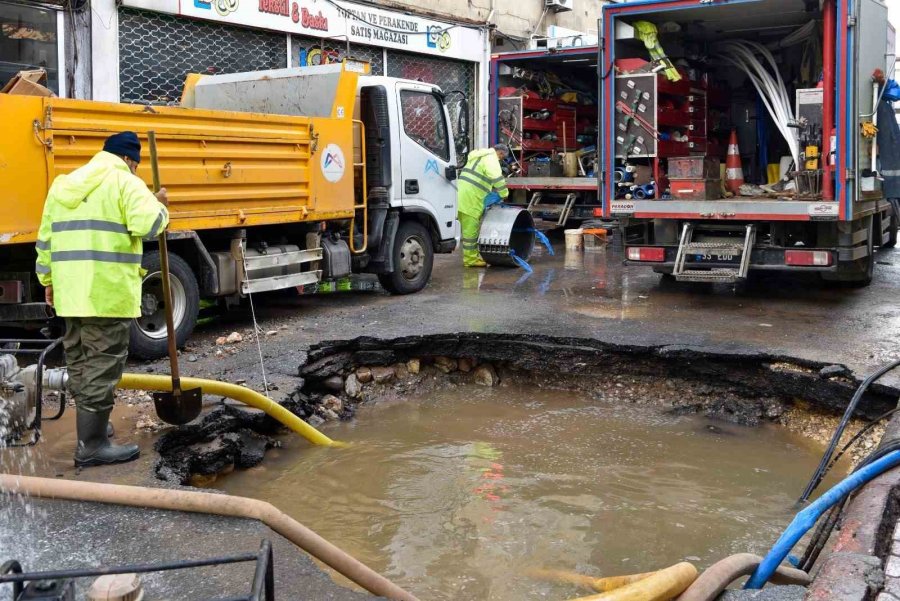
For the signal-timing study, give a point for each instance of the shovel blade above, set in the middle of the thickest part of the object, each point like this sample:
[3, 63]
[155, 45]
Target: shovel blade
[178, 408]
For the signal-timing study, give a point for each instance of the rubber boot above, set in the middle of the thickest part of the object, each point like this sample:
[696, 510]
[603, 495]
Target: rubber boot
[94, 447]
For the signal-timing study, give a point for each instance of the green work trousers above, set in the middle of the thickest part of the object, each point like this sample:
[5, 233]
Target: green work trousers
[96, 349]
[470, 229]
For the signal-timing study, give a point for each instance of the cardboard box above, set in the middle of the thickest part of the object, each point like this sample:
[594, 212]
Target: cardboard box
[28, 83]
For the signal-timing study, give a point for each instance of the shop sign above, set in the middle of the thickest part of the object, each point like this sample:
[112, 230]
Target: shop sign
[337, 20]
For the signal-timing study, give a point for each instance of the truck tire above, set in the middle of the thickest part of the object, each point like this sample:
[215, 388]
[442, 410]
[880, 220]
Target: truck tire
[413, 259]
[148, 332]
[859, 273]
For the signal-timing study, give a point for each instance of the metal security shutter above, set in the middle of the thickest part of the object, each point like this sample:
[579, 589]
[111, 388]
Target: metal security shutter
[307, 50]
[450, 75]
[157, 51]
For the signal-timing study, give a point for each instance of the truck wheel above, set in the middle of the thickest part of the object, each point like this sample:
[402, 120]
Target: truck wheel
[148, 332]
[859, 273]
[413, 259]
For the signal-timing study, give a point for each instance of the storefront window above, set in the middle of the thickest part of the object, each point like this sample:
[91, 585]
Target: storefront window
[28, 40]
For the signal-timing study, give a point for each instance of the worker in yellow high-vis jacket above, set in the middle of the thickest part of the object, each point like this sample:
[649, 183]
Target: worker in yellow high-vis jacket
[481, 176]
[89, 254]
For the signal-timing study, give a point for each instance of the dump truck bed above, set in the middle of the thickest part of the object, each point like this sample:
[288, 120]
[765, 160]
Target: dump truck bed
[222, 169]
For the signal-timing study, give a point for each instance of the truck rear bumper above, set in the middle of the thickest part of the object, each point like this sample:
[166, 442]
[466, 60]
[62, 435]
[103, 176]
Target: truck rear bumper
[761, 259]
[756, 209]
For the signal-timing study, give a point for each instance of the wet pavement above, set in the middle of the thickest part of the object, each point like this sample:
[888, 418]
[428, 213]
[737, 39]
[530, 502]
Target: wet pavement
[591, 295]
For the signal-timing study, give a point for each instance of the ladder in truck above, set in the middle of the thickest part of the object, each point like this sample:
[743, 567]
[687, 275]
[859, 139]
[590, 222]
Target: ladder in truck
[714, 248]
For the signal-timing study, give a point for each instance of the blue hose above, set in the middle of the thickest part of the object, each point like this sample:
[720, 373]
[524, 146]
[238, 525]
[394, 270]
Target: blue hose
[520, 261]
[541, 237]
[807, 518]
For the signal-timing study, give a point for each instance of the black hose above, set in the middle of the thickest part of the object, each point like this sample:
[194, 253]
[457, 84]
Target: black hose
[836, 437]
[857, 436]
[820, 537]
[825, 528]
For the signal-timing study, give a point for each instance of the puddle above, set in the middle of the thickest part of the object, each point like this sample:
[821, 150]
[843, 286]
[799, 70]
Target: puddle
[458, 494]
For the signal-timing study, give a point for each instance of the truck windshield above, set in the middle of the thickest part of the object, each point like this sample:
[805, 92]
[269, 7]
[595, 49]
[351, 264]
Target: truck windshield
[423, 121]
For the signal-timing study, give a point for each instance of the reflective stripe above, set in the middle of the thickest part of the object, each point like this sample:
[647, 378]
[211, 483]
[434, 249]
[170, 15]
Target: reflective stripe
[486, 181]
[734, 173]
[42, 245]
[463, 178]
[97, 225]
[42, 269]
[470, 239]
[498, 179]
[95, 255]
[157, 225]
[733, 149]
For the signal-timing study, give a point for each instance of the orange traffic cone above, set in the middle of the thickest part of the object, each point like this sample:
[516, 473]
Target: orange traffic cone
[734, 173]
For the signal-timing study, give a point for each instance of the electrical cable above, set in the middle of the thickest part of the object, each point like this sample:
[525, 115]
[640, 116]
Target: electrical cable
[857, 436]
[836, 437]
[823, 531]
[256, 329]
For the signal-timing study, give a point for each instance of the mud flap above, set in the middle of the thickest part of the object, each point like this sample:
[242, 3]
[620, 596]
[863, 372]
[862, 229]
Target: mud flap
[383, 260]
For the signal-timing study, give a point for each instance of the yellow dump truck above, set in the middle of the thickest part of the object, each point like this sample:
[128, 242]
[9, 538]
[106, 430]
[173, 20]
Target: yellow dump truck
[292, 178]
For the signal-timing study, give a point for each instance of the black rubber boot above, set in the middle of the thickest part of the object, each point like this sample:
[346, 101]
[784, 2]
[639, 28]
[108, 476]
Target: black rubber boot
[94, 447]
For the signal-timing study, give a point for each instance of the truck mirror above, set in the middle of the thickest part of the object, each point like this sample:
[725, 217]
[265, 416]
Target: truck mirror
[450, 173]
[460, 107]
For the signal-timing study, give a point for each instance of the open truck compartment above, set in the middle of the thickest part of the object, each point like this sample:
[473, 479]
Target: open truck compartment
[740, 135]
[545, 108]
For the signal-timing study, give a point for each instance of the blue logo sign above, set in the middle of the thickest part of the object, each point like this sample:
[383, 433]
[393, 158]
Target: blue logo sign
[207, 4]
[431, 166]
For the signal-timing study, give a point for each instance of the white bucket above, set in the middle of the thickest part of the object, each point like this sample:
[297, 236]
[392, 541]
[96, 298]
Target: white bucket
[575, 240]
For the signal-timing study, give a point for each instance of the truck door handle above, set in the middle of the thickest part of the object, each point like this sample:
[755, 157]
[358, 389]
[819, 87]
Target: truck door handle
[411, 186]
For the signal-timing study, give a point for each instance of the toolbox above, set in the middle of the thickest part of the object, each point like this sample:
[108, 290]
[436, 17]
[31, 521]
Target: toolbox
[695, 189]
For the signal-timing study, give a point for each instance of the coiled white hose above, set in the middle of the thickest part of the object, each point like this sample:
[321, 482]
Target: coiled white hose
[771, 88]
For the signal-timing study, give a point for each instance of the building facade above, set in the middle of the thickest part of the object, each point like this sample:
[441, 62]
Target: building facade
[140, 50]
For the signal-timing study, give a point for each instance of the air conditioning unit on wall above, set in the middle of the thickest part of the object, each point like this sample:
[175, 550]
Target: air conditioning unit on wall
[559, 5]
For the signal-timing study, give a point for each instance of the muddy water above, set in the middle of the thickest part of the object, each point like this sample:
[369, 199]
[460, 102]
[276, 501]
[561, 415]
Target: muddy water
[459, 495]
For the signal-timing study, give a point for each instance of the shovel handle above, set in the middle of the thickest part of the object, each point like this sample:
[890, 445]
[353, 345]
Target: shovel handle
[164, 272]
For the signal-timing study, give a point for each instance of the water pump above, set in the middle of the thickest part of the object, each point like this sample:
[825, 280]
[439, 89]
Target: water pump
[18, 393]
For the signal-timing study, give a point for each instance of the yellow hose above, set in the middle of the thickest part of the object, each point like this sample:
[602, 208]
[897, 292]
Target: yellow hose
[601, 585]
[238, 393]
[661, 586]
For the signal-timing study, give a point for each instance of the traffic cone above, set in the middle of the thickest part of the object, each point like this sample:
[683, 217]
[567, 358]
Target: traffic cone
[734, 173]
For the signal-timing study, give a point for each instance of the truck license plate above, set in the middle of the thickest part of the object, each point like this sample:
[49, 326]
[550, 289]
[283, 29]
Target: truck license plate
[715, 258]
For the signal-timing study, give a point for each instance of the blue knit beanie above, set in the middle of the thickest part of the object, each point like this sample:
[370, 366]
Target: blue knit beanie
[125, 144]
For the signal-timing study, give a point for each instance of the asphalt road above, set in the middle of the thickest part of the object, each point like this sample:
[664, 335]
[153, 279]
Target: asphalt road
[591, 295]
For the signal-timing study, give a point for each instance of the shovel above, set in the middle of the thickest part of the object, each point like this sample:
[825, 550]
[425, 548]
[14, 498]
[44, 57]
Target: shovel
[179, 406]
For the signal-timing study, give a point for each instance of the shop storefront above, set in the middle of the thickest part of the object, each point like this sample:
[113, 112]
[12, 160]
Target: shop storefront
[157, 42]
[31, 38]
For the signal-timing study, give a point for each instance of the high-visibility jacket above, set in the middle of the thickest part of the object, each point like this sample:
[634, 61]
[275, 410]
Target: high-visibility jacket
[89, 244]
[481, 175]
